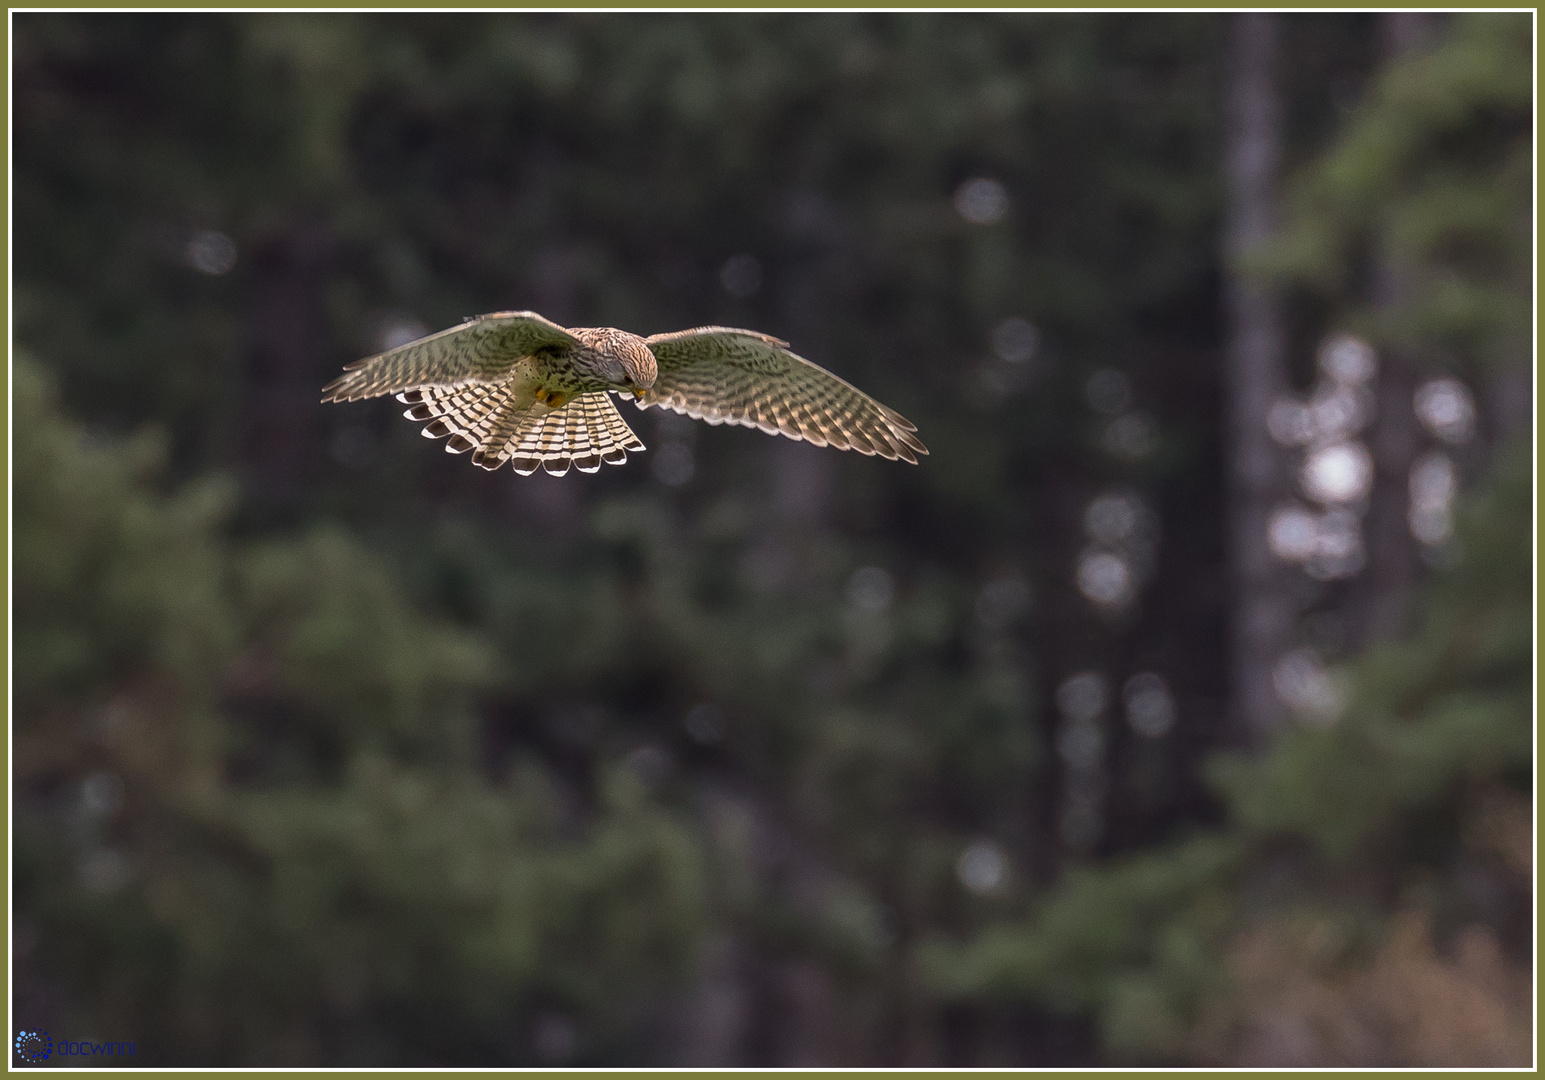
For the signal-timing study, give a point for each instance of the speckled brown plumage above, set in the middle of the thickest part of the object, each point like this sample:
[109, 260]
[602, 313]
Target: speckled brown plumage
[515, 387]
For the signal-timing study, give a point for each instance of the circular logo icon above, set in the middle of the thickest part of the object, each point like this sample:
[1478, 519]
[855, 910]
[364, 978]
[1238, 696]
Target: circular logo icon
[34, 1045]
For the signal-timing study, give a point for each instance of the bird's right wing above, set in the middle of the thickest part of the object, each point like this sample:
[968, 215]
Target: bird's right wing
[723, 375]
[481, 350]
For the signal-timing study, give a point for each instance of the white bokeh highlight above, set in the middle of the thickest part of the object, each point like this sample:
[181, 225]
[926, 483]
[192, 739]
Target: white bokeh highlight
[982, 200]
[1348, 360]
[211, 252]
[1105, 578]
[1336, 471]
[1446, 408]
[1122, 549]
[871, 589]
[983, 868]
[1305, 686]
[1082, 699]
[1015, 341]
[1433, 485]
[1150, 707]
[1338, 474]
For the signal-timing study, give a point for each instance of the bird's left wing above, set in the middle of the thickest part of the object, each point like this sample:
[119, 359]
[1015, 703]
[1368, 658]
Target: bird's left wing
[727, 376]
[480, 350]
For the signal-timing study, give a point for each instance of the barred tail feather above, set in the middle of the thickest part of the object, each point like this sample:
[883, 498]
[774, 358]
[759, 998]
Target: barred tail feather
[464, 414]
[584, 433]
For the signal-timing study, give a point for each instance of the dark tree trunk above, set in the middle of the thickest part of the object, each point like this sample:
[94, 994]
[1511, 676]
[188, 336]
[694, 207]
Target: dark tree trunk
[1378, 603]
[287, 365]
[1261, 615]
[803, 474]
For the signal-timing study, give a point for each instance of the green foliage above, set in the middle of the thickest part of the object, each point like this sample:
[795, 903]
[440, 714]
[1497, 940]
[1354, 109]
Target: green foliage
[1104, 934]
[329, 631]
[111, 580]
[1444, 706]
[1434, 175]
[360, 872]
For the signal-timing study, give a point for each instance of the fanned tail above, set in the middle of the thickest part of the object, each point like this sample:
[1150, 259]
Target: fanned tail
[584, 433]
[465, 414]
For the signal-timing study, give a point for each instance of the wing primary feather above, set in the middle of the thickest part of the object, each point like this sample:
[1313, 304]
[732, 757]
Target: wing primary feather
[722, 375]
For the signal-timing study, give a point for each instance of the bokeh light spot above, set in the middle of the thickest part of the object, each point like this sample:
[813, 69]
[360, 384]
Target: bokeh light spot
[1305, 686]
[1447, 409]
[211, 252]
[1105, 578]
[705, 723]
[1348, 360]
[741, 276]
[1002, 600]
[1150, 706]
[1015, 340]
[1083, 696]
[1130, 437]
[870, 589]
[1339, 473]
[1292, 532]
[982, 200]
[982, 867]
[1108, 391]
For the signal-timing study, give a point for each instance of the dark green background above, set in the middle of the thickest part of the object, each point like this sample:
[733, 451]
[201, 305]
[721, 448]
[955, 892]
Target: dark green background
[389, 753]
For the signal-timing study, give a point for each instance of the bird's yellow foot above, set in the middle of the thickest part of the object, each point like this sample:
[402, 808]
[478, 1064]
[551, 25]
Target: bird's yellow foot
[553, 399]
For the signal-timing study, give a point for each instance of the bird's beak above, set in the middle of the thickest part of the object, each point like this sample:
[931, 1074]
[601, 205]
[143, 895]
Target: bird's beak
[637, 393]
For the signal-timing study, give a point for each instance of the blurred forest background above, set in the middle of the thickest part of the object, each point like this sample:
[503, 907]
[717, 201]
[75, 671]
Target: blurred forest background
[1176, 710]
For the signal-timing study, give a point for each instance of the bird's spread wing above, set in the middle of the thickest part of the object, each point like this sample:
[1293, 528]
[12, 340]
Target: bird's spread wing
[584, 433]
[480, 350]
[727, 376]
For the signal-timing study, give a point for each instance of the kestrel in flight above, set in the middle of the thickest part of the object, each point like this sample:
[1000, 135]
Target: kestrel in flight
[515, 387]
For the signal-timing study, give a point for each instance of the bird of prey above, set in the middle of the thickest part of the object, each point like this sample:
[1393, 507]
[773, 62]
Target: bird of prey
[515, 387]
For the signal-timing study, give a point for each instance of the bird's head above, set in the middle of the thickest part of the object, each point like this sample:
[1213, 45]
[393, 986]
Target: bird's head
[616, 358]
[634, 368]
